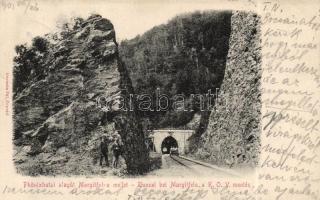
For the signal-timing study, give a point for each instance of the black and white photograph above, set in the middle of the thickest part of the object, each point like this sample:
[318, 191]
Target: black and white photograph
[180, 99]
[160, 99]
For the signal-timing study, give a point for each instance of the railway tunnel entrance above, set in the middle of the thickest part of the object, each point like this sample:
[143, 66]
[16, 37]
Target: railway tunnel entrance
[167, 144]
[165, 139]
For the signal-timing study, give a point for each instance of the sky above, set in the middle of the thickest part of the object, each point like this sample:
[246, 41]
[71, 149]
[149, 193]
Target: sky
[129, 19]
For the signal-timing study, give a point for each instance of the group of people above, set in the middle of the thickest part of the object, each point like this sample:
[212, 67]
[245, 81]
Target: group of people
[116, 148]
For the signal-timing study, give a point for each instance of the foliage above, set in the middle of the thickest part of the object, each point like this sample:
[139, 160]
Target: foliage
[28, 63]
[186, 56]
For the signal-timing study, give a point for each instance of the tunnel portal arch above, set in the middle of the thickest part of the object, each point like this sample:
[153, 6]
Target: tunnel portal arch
[181, 136]
[168, 143]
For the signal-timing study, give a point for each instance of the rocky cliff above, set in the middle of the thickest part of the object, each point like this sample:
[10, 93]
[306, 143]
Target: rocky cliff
[57, 121]
[233, 131]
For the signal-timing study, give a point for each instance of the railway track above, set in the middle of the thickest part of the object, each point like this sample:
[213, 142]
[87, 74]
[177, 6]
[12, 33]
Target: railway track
[181, 162]
[196, 167]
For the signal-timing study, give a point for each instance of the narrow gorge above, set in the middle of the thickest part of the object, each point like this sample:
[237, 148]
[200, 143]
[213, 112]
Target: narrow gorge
[75, 85]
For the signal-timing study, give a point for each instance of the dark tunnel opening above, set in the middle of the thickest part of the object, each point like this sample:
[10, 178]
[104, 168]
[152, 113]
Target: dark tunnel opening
[168, 143]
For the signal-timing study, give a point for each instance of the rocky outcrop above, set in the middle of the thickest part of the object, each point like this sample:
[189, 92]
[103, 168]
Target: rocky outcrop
[233, 131]
[58, 118]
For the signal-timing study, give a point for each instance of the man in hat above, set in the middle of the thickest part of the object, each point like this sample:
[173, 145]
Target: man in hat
[104, 150]
[116, 149]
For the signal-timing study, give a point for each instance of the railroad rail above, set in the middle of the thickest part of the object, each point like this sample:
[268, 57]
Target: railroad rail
[181, 163]
[184, 161]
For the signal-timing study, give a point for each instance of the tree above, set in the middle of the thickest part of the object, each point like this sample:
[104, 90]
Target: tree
[185, 56]
[28, 63]
[21, 69]
[40, 44]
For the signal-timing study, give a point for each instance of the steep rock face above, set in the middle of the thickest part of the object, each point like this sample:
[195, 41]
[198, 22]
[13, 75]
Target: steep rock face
[185, 56]
[58, 117]
[233, 132]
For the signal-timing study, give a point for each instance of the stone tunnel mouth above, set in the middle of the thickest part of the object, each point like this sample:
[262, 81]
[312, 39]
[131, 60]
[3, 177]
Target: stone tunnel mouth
[168, 143]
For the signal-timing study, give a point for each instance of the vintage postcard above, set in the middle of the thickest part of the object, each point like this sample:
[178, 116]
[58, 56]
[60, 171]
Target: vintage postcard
[168, 100]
